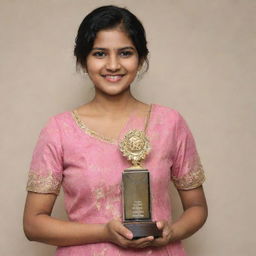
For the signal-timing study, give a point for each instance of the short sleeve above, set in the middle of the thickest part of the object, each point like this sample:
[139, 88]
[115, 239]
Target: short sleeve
[187, 171]
[45, 174]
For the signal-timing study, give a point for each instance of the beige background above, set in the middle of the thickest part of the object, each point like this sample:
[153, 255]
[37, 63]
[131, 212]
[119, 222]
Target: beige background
[202, 63]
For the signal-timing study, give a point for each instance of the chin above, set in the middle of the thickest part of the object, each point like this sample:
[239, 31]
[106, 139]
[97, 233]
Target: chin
[114, 92]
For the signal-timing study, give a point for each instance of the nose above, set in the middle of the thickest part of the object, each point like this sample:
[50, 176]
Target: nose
[113, 63]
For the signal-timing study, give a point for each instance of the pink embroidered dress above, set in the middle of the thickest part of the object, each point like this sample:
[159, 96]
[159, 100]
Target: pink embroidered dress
[89, 169]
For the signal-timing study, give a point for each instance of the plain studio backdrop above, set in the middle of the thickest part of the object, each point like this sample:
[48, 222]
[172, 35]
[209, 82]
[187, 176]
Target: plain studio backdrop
[202, 63]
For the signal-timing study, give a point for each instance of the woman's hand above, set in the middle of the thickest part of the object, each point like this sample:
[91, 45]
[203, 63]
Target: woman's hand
[118, 234]
[193, 217]
[167, 234]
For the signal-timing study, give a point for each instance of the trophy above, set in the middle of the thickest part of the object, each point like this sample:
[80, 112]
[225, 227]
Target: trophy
[136, 187]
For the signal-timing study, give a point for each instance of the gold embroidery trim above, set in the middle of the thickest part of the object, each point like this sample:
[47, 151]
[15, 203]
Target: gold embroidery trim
[43, 183]
[90, 132]
[193, 179]
[94, 134]
[147, 118]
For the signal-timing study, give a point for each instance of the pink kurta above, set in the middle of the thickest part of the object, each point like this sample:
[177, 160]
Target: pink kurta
[90, 168]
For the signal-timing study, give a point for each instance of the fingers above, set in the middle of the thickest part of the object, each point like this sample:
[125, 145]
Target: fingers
[166, 234]
[122, 236]
[138, 243]
[141, 243]
[146, 243]
[117, 233]
[158, 242]
[123, 231]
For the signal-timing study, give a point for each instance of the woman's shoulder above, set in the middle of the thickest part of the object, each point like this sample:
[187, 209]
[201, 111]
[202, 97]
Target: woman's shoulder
[63, 116]
[59, 120]
[165, 112]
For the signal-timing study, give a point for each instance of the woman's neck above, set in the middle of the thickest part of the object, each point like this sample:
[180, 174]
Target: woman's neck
[114, 105]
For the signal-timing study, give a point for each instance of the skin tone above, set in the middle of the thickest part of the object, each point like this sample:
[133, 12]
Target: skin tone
[112, 65]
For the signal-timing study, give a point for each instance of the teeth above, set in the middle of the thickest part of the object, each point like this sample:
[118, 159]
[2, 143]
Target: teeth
[113, 78]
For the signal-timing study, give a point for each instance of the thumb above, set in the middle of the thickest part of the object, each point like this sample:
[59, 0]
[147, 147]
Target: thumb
[125, 232]
[160, 224]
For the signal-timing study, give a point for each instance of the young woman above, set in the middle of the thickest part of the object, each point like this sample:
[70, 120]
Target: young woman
[79, 150]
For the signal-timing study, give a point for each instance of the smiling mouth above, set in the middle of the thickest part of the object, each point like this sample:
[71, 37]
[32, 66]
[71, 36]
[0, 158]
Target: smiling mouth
[113, 78]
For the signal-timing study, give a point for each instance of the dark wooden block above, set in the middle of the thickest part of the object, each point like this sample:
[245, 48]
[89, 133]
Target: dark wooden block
[143, 229]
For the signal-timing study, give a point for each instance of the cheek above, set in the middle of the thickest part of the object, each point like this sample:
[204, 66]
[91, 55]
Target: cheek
[93, 66]
[132, 65]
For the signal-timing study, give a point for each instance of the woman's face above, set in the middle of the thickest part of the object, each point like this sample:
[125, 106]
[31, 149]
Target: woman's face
[113, 63]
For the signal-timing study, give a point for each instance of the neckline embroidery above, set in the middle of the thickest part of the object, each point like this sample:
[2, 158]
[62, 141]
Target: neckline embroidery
[100, 137]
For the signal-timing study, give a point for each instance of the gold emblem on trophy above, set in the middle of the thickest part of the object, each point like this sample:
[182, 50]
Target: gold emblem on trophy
[136, 187]
[135, 146]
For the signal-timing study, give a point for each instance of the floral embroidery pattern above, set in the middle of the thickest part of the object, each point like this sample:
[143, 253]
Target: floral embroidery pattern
[193, 179]
[43, 183]
[107, 199]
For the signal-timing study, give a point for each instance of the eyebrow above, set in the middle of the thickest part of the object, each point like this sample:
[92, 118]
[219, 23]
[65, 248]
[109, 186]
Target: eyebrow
[120, 49]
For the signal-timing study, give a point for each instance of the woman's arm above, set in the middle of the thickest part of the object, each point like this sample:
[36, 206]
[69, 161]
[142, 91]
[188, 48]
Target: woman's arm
[194, 216]
[40, 226]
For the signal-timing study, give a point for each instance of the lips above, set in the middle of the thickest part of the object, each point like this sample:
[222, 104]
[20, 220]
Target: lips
[113, 78]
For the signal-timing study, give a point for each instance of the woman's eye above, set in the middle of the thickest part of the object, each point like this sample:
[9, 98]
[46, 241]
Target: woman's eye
[126, 53]
[99, 54]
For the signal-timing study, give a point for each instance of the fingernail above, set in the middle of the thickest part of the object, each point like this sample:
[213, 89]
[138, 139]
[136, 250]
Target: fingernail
[129, 235]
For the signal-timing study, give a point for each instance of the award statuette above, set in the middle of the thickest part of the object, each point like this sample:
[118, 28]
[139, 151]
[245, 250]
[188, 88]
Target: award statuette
[136, 187]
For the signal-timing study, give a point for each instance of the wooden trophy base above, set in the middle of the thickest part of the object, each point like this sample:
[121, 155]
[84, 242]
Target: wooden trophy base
[143, 229]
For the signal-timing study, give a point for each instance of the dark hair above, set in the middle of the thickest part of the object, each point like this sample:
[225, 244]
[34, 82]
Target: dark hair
[107, 17]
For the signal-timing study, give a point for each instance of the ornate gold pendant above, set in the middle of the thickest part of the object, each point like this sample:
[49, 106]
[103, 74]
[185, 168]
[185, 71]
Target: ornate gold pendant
[135, 146]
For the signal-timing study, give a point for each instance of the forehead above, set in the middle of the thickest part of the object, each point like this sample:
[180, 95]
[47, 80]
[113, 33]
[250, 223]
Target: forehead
[112, 39]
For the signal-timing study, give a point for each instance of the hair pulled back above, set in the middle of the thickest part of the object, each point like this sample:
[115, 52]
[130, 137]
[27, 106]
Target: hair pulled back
[108, 17]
